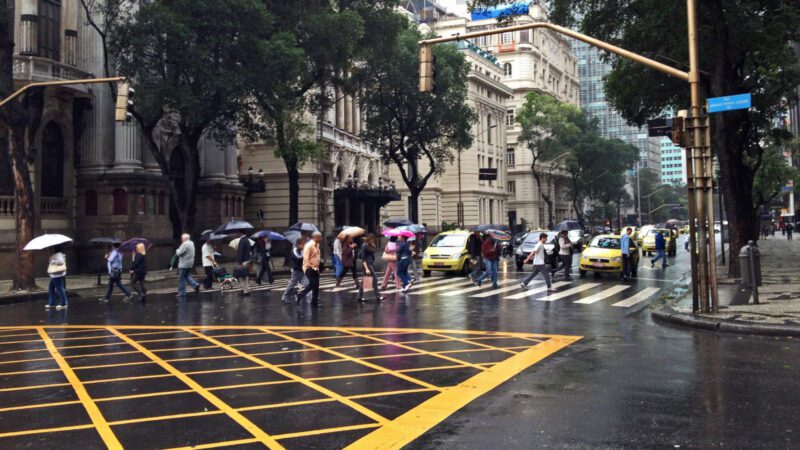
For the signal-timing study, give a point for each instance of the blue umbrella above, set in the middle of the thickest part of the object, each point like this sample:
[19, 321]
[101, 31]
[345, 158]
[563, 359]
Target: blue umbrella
[268, 234]
[234, 226]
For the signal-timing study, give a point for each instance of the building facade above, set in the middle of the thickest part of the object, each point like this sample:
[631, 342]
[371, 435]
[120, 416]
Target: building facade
[481, 201]
[531, 61]
[92, 176]
[673, 163]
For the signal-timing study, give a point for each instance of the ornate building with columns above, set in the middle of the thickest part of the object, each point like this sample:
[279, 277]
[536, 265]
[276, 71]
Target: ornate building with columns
[92, 176]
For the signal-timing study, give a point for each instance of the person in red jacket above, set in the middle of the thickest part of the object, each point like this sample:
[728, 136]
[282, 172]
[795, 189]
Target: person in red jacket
[491, 259]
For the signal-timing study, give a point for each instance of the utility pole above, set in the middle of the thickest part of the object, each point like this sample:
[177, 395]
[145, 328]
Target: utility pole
[699, 169]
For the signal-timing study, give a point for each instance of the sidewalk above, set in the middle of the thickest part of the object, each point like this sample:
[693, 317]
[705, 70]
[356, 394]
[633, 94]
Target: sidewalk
[779, 310]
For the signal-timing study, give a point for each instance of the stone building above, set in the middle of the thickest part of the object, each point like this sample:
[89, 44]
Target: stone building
[92, 176]
[531, 61]
[483, 201]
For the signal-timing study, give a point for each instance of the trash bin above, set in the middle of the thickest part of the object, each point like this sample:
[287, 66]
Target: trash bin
[750, 267]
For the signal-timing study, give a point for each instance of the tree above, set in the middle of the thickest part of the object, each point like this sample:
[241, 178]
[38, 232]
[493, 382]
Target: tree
[772, 175]
[18, 117]
[745, 46]
[188, 60]
[416, 131]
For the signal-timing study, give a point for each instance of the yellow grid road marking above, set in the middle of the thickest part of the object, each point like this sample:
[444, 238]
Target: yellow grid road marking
[48, 430]
[474, 343]
[95, 415]
[257, 432]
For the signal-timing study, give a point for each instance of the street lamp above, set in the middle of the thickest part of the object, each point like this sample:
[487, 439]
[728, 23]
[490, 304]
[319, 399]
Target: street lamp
[649, 217]
[674, 205]
[639, 168]
[460, 205]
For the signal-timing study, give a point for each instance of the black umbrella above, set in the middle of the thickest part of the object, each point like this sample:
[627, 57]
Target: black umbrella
[568, 225]
[234, 226]
[209, 235]
[302, 226]
[395, 222]
[105, 241]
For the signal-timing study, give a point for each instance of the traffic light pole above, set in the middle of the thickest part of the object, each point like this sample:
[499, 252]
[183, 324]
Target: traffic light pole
[28, 86]
[699, 161]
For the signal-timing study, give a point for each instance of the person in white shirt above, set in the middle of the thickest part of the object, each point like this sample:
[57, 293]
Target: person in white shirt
[538, 256]
[564, 255]
[209, 262]
[57, 270]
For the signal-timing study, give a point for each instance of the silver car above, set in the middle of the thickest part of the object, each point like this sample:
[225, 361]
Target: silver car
[525, 249]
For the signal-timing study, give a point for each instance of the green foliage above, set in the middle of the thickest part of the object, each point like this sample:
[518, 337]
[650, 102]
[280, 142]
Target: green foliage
[773, 175]
[548, 126]
[417, 131]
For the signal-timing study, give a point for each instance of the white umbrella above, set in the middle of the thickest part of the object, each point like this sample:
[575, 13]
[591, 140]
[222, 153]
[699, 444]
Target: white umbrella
[47, 240]
[234, 244]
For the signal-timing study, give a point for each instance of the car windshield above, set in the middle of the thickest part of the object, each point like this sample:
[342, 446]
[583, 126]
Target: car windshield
[654, 232]
[533, 237]
[605, 242]
[449, 240]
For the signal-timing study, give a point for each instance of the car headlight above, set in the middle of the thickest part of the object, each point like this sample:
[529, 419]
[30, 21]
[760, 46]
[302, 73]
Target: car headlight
[616, 259]
[584, 257]
[456, 256]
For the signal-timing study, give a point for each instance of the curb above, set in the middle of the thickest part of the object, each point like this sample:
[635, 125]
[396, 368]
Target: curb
[669, 315]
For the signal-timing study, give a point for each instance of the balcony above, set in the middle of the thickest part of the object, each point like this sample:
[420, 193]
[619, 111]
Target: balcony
[29, 69]
[52, 206]
[7, 204]
[507, 47]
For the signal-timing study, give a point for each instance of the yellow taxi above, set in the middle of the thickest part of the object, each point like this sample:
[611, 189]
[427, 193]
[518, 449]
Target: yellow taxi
[603, 255]
[642, 233]
[649, 241]
[447, 252]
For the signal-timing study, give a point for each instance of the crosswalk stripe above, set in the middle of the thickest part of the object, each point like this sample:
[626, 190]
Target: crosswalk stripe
[475, 288]
[530, 292]
[638, 298]
[420, 285]
[603, 294]
[567, 293]
[441, 288]
[502, 290]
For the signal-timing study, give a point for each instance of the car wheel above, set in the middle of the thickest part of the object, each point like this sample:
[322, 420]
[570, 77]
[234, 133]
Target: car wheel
[581, 273]
[465, 268]
[426, 273]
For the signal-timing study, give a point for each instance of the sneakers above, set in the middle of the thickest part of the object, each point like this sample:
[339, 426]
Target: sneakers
[128, 298]
[102, 300]
[523, 286]
[652, 264]
[48, 307]
[60, 307]
[197, 289]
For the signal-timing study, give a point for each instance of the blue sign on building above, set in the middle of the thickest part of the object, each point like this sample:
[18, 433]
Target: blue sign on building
[729, 103]
[503, 10]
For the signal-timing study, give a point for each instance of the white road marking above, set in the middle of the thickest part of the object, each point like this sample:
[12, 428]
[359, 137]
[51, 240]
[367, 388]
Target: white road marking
[538, 290]
[602, 295]
[638, 298]
[514, 287]
[442, 288]
[476, 288]
[569, 292]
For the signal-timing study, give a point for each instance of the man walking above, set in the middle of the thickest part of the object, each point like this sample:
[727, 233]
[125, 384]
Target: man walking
[185, 255]
[661, 250]
[114, 258]
[538, 256]
[209, 261]
[789, 231]
[336, 258]
[311, 268]
[296, 258]
[491, 259]
[625, 249]
[474, 248]
[244, 255]
[565, 255]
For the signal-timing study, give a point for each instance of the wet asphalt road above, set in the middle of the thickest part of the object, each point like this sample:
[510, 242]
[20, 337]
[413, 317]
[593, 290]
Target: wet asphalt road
[629, 383]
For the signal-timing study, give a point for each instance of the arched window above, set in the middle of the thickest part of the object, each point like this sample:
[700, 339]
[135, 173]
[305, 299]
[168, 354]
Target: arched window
[162, 203]
[52, 176]
[50, 29]
[120, 202]
[90, 203]
[507, 70]
[226, 210]
[151, 203]
[141, 203]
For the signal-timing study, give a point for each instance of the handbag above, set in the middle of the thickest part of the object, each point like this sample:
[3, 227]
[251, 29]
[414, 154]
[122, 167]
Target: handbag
[56, 269]
[366, 282]
[389, 257]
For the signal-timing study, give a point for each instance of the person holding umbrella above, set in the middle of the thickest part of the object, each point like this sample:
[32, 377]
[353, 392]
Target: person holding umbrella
[209, 261]
[348, 261]
[185, 256]
[403, 261]
[263, 254]
[564, 255]
[114, 259]
[474, 247]
[336, 258]
[390, 256]
[57, 270]
[139, 271]
[244, 255]
[367, 256]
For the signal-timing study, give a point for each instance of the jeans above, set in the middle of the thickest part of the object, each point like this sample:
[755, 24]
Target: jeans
[184, 277]
[56, 290]
[374, 276]
[402, 271]
[491, 269]
[477, 267]
[662, 255]
[537, 269]
[313, 286]
[626, 266]
[297, 278]
[208, 281]
[352, 270]
[338, 268]
[414, 269]
[118, 282]
[264, 269]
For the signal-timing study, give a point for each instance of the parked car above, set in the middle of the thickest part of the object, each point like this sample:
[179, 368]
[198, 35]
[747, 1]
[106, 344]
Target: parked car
[525, 249]
[603, 255]
[447, 253]
[642, 233]
[649, 241]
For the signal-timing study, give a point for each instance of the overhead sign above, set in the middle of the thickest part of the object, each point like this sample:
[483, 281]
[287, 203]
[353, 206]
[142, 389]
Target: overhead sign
[729, 103]
[660, 127]
[487, 174]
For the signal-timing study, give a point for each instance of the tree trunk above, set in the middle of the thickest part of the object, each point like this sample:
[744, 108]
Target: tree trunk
[538, 180]
[413, 205]
[23, 211]
[294, 189]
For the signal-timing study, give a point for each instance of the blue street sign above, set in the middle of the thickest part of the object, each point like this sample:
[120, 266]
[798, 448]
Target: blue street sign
[729, 103]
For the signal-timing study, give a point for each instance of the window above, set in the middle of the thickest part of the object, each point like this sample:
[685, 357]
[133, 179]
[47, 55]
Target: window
[120, 202]
[50, 29]
[162, 203]
[489, 129]
[6, 177]
[511, 188]
[511, 157]
[52, 182]
[151, 203]
[141, 204]
[523, 37]
[507, 70]
[90, 203]
[510, 118]
[506, 38]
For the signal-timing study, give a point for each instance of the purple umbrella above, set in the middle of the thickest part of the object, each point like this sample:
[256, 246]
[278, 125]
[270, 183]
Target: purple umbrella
[129, 246]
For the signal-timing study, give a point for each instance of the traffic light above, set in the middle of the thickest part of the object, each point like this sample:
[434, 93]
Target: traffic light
[124, 96]
[426, 69]
[678, 132]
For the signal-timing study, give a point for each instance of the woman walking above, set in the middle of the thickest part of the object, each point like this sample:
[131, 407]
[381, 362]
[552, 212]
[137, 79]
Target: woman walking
[390, 256]
[348, 261]
[114, 259]
[367, 256]
[139, 272]
[296, 257]
[403, 261]
[57, 270]
[416, 260]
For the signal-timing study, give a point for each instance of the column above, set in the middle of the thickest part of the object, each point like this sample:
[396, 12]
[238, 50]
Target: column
[339, 109]
[348, 113]
[212, 160]
[127, 147]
